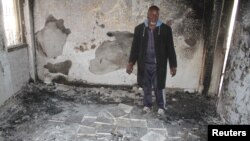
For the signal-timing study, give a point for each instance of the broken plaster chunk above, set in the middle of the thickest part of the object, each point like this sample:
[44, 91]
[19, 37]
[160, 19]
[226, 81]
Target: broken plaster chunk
[105, 117]
[89, 121]
[116, 112]
[126, 108]
[152, 136]
[85, 130]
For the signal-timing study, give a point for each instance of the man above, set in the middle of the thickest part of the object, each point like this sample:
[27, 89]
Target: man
[152, 47]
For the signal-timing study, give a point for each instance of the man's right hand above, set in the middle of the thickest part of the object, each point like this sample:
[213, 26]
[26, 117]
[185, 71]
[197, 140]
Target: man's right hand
[129, 68]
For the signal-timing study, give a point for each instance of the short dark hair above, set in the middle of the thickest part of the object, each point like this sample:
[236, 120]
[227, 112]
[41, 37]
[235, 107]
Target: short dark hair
[153, 7]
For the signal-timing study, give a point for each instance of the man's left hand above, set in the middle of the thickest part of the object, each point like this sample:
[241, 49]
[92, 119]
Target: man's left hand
[173, 71]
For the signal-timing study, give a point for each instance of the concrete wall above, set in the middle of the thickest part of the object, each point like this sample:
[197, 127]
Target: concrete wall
[234, 103]
[14, 68]
[5, 77]
[14, 72]
[89, 41]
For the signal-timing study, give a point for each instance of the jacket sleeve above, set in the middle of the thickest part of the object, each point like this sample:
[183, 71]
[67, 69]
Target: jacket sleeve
[171, 50]
[135, 47]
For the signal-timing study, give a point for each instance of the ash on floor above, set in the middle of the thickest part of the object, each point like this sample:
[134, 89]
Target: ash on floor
[41, 112]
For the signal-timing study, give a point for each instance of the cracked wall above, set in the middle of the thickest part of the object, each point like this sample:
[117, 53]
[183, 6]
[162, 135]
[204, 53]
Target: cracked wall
[96, 57]
[234, 104]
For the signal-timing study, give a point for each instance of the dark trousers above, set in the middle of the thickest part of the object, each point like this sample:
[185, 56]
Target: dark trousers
[149, 81]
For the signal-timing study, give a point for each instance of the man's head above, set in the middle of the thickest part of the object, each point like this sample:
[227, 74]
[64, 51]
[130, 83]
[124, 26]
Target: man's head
[153, 15]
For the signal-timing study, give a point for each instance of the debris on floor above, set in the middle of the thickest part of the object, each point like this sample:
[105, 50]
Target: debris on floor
[57, 112]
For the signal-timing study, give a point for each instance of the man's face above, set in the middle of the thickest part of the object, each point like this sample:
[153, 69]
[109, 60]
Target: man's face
[153, 16]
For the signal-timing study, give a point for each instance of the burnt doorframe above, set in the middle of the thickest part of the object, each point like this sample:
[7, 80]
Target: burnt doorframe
[217, 16]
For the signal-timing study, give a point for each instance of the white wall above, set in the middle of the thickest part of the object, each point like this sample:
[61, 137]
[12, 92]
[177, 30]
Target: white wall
[14, 72]
[6, 86]
[89, 21]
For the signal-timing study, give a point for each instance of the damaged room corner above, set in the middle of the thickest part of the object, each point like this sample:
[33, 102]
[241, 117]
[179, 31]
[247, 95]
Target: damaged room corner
[63, 70]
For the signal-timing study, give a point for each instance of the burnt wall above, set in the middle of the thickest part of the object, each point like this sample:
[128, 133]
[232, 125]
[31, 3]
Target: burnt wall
[234, 104]
[100, 37]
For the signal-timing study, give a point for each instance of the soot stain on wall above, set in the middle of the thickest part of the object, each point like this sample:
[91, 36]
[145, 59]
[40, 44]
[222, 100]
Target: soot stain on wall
[185, 23]
[62, 67]
[112, 55]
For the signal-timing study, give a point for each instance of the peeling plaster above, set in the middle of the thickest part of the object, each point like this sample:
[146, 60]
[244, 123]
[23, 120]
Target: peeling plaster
[62, 67]
[94, 62]
[112, 55]
[59, 24]
[51, 39]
